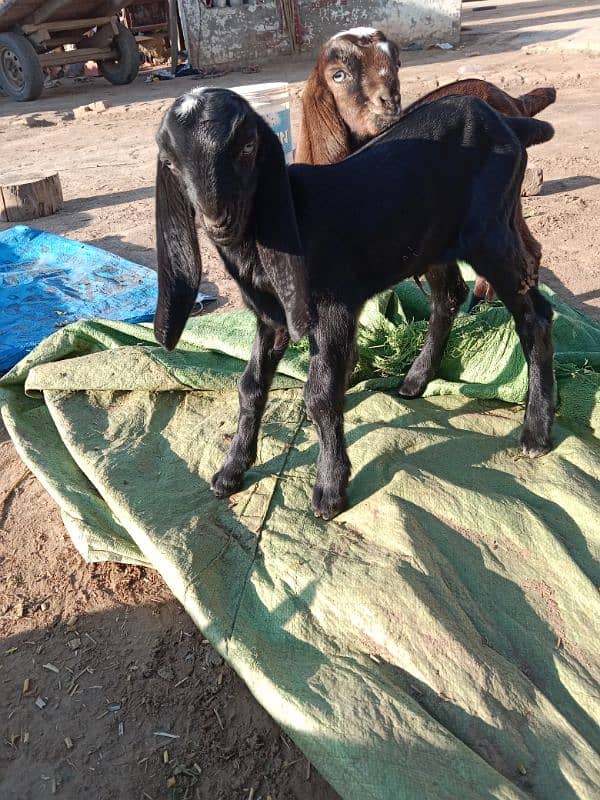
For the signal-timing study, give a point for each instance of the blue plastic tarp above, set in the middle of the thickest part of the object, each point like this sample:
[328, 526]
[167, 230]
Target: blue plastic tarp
[47, 281]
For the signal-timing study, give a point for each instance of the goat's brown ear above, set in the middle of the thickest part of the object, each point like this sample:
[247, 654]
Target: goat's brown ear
[324, 136]
[277, 237]
[178, 254]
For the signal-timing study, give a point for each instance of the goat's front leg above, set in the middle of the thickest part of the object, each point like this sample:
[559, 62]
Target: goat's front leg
[269, 346]
[332, 350]
[448, 292]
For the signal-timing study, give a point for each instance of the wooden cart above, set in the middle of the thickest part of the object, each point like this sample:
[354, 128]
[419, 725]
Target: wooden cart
[45, 33]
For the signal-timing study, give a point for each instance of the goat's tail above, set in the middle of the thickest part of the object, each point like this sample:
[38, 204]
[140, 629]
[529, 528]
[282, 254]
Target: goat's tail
[530, 131]
[535, 101]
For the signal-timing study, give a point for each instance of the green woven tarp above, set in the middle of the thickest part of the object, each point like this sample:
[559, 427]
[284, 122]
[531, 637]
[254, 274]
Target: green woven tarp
[439, 639]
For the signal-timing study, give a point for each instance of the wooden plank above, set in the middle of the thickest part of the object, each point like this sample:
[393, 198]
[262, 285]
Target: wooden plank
[155, 26]
[17, 12]
[67, 25]
[173, 35]
[47, 9]
[79, 56]
[29, 197]
[57, 41]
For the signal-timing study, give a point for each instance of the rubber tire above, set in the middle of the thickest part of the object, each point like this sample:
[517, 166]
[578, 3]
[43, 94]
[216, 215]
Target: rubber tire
[124, 70]
[32, 71]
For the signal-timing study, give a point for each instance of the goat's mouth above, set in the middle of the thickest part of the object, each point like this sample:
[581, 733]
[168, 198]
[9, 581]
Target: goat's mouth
[224, 232]
[383, 119]
[223, 237]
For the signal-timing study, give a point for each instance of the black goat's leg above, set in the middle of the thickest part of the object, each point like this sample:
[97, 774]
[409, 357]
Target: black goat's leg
[332, 350]
[448, 292]
[269, 346]
[533, 320]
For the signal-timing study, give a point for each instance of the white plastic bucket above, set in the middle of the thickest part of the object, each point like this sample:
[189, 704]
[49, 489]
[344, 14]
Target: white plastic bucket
[272, 101]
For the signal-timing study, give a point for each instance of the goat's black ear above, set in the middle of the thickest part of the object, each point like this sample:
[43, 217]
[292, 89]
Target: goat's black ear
[277, 237]
[324, 136]
[178, 254]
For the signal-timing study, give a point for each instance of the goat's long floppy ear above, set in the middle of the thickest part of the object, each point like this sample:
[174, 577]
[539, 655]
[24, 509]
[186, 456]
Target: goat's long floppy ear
[323, 133]
[277, 237]
[178, 253]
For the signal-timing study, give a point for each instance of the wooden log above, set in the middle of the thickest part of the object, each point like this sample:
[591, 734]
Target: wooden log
[532, 182]
[66, 25]
[173, 35]
[78, 56]
[47, 9]
[25, 197]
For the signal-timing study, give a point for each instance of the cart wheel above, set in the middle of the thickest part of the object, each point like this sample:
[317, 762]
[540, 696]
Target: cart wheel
[127, 66]
[21, 75]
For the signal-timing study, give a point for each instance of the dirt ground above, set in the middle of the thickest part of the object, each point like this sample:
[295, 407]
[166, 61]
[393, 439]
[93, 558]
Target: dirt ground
[112, 657]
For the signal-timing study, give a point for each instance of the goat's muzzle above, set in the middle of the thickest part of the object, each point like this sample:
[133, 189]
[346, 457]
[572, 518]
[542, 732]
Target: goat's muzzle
[226, 228]
[214, 222]
[386, 120]
[386, 104]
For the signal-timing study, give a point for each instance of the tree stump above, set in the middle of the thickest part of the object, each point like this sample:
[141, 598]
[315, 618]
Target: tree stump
[25, 197]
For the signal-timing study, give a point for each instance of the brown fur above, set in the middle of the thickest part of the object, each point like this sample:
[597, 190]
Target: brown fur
[339, 118]
[336, 122]
[527, 105]
[324, 137]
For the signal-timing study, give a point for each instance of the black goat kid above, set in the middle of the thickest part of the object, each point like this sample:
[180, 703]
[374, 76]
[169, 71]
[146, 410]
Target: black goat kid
[308, 245]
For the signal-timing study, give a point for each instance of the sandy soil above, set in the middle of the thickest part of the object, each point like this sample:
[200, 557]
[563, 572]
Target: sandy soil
[129, 661]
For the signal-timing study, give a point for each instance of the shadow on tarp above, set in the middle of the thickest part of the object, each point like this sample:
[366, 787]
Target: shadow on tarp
[360, 721]
[459, 563]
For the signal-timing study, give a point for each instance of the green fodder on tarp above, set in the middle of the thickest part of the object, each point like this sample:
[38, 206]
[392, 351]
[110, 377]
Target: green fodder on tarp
[438, 640]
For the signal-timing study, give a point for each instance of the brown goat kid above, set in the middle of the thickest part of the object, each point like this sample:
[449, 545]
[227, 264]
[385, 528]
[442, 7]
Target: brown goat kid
[353, 94]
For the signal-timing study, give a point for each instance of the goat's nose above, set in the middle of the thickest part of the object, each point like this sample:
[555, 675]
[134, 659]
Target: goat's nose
[386, 100]
[389, 103]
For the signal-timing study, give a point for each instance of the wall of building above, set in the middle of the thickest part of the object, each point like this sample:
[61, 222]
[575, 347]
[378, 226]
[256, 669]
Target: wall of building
[254, 31]
[422, 22]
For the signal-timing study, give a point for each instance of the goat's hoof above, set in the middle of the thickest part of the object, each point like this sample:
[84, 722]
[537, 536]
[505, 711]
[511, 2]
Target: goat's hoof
[225, 482]
[328, 504]
[535, 446]
[412, 387]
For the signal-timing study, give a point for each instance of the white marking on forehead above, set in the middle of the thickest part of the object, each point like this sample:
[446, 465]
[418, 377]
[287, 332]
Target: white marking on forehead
[385, 46]
[189, 102]
[360, 32]
[384, 72]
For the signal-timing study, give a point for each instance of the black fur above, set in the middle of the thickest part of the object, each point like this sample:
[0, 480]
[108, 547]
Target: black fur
[308, 245]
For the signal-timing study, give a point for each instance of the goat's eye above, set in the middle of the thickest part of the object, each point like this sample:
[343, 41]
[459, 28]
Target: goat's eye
[248, 148]
[339, 76]
[166, 163]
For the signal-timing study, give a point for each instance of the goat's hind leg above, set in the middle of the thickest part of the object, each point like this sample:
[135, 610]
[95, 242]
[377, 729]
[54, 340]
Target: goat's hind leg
[269, 346]
[448, 292]
[332, 353]
[533, 321]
